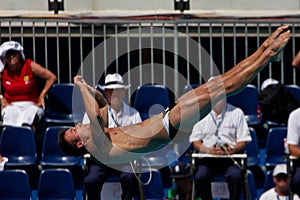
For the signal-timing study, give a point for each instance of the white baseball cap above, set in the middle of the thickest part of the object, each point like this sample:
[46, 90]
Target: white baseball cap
[268, 82]
[10, 45]
[114, 81]
[280, 169]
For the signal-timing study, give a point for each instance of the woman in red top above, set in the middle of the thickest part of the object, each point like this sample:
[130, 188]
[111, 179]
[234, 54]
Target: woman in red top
[22, 102]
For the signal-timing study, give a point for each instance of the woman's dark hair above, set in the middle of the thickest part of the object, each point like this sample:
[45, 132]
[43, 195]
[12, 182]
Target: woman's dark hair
[11, 52]
[67, 148]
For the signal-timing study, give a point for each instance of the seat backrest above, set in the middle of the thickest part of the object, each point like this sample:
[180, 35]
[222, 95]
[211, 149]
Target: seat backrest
[189, 87]
[14, 184]
[275, 151]
[294, 90]
[269, 183]
[249, 193]
[248, 102]
[51, 153]
[251, 185]
[151, 100]
[185, 150]
[252, 149]
[18, 145]
[64, 103]
[56, 184]
[153, 190]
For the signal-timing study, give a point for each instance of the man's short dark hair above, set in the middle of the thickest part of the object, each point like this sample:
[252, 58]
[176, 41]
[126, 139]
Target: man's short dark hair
[67, 148]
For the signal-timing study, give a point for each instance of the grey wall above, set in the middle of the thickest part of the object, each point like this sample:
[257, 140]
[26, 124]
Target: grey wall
[147, 6]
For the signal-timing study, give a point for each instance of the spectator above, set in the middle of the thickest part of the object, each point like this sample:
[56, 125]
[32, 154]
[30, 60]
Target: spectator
[22, 103]
[281, 180]
[223, 131]
[293, 141]
[119, 144]
[276, 102]
[119, 114]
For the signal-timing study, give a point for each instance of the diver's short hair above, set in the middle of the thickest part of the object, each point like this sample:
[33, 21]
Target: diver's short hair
[67, 148]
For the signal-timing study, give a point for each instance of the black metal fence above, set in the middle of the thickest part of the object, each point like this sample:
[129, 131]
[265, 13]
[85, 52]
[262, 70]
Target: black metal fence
[173, 53]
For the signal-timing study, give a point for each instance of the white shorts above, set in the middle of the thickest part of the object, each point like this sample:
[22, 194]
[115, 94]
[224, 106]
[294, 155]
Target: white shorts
[19, 113]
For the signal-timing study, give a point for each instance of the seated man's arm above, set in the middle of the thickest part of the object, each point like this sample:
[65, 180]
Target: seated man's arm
[198, 146]
[219, 150]
[294, 150]
[293, 128]
[238, 148]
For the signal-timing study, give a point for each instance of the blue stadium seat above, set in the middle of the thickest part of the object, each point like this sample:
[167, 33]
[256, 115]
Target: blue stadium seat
[248, 102]
[14, 184]
[295, 91]
[269, 183]
[251, 187]
[152, 185]
[189, 87]
[151, 100]
[185, 148]
[18, 145]
[52, 155]
[185, 156]
[252, 149]
[64, 105]
[275, 151]
[56, 184]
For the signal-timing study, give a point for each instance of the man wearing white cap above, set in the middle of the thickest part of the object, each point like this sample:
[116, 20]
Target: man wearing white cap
[22, 102]
[281, 191]
[118, 114]
[123, 144]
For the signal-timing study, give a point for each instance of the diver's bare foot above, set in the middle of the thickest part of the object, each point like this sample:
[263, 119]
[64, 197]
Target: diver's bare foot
[277, 33]
[266, 44]
[277, 43]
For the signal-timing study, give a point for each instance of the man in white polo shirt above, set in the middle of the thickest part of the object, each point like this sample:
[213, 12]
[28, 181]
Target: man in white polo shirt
[281, 191]
[223, 131]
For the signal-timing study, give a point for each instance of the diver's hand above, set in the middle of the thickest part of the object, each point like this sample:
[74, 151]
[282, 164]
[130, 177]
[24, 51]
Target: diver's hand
[80, 82]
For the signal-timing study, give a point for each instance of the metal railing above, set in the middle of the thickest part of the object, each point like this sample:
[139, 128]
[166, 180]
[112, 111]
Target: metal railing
[173, 53]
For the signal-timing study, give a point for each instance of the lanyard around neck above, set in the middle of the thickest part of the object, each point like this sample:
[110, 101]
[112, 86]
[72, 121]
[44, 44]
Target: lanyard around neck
[112, 116]
[220, 121]
[277, 196]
